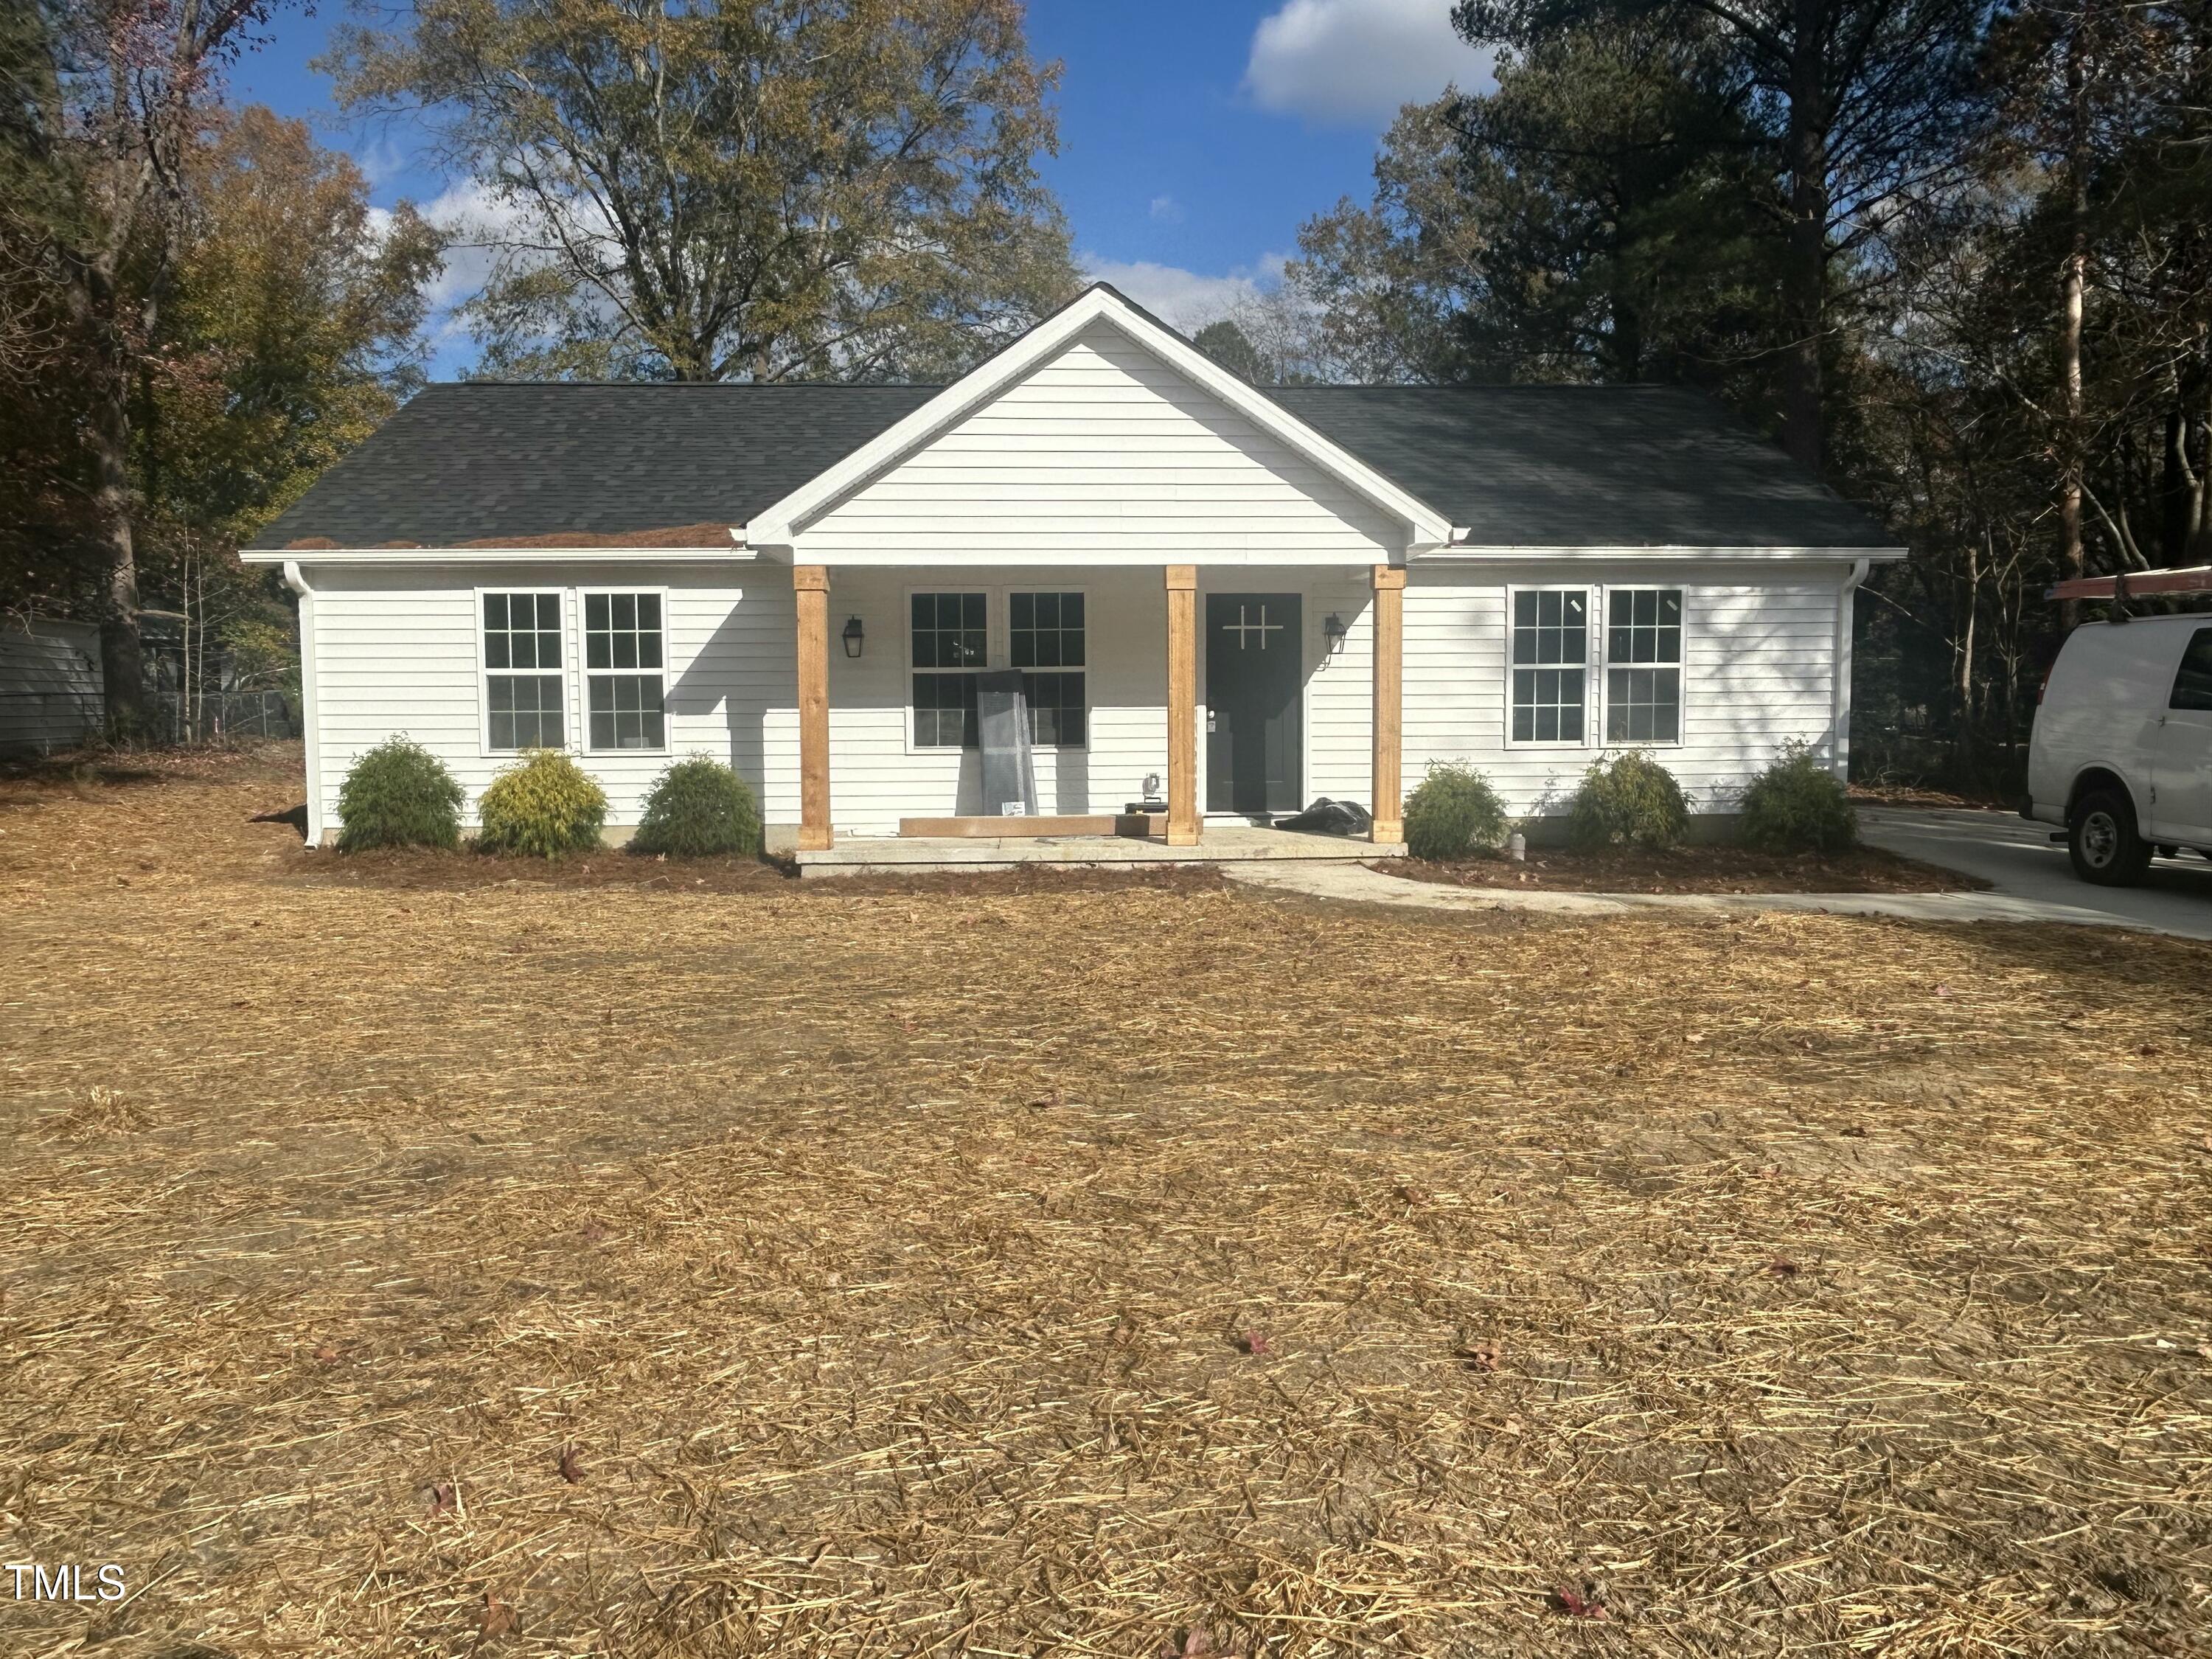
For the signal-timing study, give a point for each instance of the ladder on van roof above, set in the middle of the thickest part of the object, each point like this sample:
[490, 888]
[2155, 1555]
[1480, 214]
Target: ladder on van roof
[2134, 584]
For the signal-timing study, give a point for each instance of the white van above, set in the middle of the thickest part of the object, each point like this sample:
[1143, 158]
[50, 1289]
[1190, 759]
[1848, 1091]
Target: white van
[2122, 752]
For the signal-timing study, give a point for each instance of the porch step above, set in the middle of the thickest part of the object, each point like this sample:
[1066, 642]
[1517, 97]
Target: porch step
[915, 855]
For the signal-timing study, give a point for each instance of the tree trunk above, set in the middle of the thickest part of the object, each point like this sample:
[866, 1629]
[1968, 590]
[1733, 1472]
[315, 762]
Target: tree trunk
[122, 660]
[2073, 284]
[1805, 279]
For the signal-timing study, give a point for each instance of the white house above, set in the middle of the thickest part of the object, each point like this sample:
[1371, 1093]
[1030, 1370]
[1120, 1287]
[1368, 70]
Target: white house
[1261, 595]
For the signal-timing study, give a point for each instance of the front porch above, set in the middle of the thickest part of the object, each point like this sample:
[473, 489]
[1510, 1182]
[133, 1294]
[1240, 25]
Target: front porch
[1217, 843]
[1148, 662]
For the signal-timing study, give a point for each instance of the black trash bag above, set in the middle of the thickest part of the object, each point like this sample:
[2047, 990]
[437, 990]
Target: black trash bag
[1330, 817]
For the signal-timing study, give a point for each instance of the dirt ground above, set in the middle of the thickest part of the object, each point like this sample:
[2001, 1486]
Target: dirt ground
[1691, 870]
[392, 1267]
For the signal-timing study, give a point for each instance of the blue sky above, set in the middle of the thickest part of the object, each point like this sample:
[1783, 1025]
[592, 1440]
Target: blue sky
[1196, 136]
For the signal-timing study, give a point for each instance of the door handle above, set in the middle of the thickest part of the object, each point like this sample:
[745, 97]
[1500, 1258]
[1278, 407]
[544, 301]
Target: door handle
[1209, 722]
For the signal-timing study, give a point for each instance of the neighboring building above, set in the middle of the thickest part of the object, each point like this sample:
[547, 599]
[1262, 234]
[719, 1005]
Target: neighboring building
[1262, 595]
[51, 692]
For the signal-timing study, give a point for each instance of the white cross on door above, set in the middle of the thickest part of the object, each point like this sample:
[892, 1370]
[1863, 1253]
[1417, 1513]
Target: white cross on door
[1243, 630]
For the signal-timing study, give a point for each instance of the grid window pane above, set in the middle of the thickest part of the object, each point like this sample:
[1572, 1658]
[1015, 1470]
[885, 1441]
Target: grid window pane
[1551, 642]
[1055, 703]
[945, 712]
[1645, 625]
[1550, 627]
[1548, 705]
[623, 653]
[1045, 630]
[1644, 705]
[626, 712]
[522, 630]
[949, 631]
[525, 710]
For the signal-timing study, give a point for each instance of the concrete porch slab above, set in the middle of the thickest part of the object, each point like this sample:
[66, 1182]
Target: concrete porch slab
[1241, 844]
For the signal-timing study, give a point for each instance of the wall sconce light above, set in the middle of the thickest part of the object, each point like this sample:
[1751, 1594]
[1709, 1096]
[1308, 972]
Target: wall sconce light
[854, 636]
[1333, 633]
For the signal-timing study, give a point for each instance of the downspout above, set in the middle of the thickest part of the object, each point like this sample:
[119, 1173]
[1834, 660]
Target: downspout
[1839, 719]
[310, 707]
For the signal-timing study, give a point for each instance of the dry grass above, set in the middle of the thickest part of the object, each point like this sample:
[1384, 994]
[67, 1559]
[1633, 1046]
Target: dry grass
[1077, 1270]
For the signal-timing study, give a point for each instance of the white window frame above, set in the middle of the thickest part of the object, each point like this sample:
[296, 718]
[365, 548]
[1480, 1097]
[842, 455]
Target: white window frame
[569, 646]
[998, 652]
[585, 673]
[1681, 666]
[1006, 640]
[1592, 664]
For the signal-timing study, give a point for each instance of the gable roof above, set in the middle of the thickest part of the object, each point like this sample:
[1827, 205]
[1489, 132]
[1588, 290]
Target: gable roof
[1098, 306]
[1513, 466]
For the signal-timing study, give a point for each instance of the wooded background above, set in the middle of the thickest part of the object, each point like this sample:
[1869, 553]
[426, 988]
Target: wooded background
[1953, 256]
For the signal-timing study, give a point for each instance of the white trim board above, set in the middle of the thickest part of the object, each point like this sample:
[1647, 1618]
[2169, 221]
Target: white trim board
[1538, 553]
[782, 526]
[385, 556]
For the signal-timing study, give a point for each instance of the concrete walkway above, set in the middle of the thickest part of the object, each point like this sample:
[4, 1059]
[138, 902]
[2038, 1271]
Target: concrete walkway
[1355, 883]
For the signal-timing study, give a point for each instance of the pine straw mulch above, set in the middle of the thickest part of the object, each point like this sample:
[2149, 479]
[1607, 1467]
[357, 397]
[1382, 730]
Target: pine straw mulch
[1691, 870]
[535, 1270]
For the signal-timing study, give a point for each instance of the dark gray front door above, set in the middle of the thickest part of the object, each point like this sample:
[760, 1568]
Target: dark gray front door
[1254, 746]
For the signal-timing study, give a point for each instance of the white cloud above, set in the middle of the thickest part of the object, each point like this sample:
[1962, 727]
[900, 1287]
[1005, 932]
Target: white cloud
[1186, 299]
[1167, 210]
[1357, 61]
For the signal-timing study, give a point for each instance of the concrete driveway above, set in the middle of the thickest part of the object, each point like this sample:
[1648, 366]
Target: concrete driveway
[2025, 863]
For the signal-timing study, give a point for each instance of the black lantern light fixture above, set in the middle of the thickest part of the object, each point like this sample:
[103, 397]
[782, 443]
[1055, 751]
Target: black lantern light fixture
[1333, 633]
[854, 636]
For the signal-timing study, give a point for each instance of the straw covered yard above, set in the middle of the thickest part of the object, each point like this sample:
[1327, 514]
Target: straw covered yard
[433, 1259]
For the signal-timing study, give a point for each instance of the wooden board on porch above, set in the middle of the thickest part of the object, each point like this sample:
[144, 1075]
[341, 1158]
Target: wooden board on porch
[1096, 823]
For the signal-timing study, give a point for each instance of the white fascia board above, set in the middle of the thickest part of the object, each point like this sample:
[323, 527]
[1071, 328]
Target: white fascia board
[1097, 558]
[299, 556]
[780, 524]
[1462, 554]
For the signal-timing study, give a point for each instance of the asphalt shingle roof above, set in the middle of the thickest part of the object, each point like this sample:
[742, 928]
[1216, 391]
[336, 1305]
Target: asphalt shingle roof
[1519, 466]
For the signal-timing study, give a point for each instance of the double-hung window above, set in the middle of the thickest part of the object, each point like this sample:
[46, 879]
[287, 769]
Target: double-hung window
[624, 661]
[952, 646]
[524, 688]
[1644, 665]
[1550, 652]
[1045, 639]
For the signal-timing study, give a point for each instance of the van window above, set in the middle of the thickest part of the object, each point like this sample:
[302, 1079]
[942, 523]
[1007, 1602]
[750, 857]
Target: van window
[2192, 686]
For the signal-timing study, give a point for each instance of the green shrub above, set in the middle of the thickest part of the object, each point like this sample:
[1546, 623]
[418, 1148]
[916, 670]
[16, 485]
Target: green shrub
[398, 795]
[698, 807]
[1797, 805]
[1630, 800]
[543, 806]
[1454, 814]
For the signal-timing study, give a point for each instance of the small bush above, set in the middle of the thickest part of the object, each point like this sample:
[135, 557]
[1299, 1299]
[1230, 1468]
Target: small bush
[1797, 805]
[543, 806]
[1454, 814]
[1630, 800]
[699, 807]
[398, 795]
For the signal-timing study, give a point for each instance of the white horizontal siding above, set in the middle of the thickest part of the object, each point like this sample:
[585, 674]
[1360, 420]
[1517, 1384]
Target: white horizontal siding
[396, 652]
[1759, 664]
[1102, 450]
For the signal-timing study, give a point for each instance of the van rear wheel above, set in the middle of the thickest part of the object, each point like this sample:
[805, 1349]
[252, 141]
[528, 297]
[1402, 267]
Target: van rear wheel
[2102, 840]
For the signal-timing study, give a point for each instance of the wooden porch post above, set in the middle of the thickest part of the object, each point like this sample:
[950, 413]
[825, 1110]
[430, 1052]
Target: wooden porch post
[1389, 701]
[810, 585]
[1183, 705]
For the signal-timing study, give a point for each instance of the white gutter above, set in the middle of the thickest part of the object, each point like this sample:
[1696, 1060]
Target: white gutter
[1839, 719]
[1468, 553]
[310, 704]
[292, 557]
